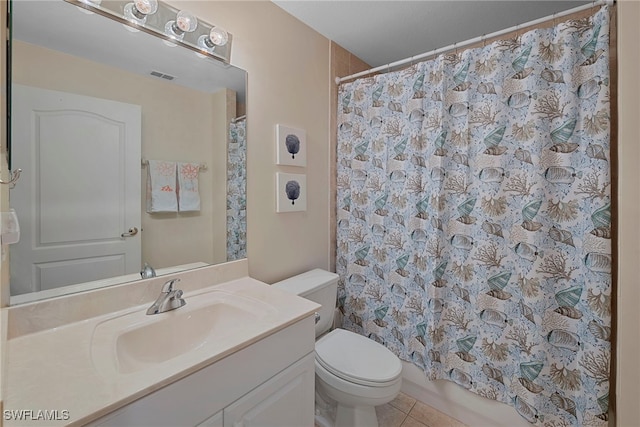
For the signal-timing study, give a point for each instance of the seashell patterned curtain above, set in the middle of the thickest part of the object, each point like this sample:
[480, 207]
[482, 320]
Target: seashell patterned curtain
[237, 191]
[474, 218]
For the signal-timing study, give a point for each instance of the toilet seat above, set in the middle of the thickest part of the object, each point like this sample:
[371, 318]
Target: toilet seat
[357, 359]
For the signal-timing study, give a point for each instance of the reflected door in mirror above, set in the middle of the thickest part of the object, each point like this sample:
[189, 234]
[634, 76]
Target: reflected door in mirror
[80, 191]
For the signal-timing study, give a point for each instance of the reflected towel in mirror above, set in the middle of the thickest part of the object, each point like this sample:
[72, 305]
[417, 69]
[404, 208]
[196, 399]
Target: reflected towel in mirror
[188, 193]
[161, 187]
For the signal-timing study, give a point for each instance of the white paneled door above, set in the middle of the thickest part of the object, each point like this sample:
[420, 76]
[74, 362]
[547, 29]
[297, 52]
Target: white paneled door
[79, 193]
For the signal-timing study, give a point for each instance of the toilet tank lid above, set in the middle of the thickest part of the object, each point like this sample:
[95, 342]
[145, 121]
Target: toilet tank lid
[308, 282]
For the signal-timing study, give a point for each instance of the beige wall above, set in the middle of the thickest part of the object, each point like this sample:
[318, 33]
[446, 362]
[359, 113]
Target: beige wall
[628, 292]
[289, 83]
[177, 124]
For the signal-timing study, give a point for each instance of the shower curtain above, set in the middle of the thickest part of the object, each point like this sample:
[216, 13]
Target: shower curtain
[237, 191]
[474, 218]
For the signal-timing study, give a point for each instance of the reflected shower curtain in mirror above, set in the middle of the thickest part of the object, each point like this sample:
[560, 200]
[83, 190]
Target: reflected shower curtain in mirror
[474, 220]
[236, 191]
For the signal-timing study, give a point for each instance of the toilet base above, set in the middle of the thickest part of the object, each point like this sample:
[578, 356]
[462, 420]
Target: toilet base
[330, 413]
[325, 409]
[359, 416]
[355, 403]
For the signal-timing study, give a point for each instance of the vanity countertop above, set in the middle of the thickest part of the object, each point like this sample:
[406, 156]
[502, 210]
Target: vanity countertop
[56, 370]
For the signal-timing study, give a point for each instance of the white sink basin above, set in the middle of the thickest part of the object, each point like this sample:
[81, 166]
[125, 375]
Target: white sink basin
[136, 341]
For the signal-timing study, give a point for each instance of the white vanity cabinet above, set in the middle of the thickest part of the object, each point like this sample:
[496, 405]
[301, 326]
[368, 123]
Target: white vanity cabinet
[268, 383]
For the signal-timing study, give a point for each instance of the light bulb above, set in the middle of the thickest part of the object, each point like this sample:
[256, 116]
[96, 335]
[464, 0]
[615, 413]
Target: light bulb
[216, 37]
[137, 11]
[146, 7]
[185, 22]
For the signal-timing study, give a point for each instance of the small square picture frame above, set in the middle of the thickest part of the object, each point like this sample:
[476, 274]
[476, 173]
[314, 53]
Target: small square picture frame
[291, 192]
[291, 147]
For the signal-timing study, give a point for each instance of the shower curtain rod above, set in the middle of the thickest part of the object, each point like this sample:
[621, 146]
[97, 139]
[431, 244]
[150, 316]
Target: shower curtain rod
[237, 119]
[473, 41]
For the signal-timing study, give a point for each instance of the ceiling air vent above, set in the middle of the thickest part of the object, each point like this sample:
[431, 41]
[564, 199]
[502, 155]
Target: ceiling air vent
[161, 75]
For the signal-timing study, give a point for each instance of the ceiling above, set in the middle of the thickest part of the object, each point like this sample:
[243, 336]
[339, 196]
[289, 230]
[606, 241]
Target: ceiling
[381, 32]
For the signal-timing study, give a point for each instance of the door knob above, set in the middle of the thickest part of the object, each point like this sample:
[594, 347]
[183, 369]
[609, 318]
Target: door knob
[132, 232]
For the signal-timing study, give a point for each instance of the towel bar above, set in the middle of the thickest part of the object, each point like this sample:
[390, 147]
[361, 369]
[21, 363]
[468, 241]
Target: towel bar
[145, 162]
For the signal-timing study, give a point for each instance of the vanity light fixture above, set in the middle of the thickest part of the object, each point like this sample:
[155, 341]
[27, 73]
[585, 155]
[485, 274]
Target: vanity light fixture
[174, 27]
[138, 10]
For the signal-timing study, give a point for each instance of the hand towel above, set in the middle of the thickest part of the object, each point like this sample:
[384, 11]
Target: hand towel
[188, 194]
[161, 187]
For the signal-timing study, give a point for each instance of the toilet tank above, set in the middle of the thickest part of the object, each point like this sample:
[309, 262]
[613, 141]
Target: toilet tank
[319, 286]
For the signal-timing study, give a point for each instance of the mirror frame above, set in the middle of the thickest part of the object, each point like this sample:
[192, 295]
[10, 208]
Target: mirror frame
[7, 80]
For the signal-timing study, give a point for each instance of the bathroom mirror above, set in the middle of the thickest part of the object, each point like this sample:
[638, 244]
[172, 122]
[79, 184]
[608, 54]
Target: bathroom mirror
[170, 104]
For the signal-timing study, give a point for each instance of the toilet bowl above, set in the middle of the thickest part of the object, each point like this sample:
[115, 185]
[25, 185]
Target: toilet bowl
[352, 370]
[358, 374]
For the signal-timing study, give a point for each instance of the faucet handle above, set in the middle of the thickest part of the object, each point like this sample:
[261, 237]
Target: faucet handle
[147, 271]
[168, 286]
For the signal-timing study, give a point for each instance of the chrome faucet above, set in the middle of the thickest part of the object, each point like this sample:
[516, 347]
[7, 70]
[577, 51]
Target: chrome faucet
[169, 299]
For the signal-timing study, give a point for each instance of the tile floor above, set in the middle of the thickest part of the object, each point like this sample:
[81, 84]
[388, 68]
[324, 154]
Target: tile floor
[405, 411]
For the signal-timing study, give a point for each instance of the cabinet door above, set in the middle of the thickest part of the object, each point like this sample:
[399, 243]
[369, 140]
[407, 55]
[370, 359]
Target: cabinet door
[286, 400]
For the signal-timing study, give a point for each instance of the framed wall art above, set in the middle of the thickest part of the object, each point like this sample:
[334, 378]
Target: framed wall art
[291, 146]
[291, 192]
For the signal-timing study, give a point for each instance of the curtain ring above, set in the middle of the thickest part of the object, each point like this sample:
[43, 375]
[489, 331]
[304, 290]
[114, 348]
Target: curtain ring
[455, 48]
[484, 40]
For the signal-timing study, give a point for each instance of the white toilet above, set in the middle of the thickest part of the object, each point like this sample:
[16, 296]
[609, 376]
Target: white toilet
[354, 371]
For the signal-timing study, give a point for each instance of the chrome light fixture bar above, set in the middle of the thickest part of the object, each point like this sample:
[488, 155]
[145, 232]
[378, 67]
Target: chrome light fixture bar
[174, 26]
